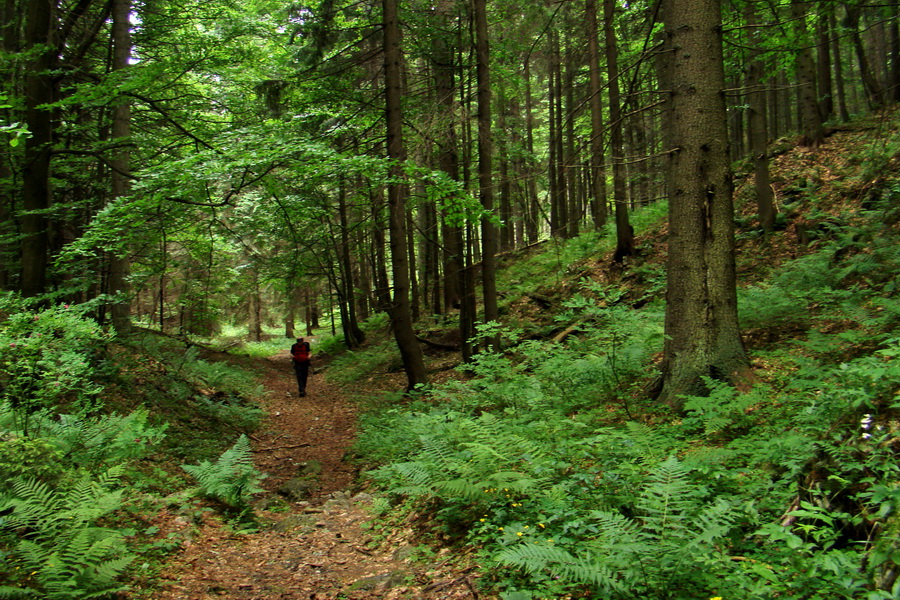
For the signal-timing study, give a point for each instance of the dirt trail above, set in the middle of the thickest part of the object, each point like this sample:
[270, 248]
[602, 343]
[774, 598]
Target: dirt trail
[319, 548]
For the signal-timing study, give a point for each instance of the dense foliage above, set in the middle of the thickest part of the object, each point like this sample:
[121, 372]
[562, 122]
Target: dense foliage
[550, 459]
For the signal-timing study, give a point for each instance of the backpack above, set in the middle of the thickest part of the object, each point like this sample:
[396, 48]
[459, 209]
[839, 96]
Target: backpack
[300, 352]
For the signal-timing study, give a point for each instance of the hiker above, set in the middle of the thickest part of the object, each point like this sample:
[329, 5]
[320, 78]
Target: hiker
[300, 354]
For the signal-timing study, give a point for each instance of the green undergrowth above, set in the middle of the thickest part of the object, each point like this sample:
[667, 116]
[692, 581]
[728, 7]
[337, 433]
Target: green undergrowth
[555, 260]
[93, 433]
[551, 462]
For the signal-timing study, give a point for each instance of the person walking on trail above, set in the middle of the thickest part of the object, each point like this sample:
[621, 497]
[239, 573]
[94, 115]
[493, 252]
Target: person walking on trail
[300, 356]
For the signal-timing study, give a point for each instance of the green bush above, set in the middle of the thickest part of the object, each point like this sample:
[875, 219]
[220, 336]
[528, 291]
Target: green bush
[48, 357]
[29, 457]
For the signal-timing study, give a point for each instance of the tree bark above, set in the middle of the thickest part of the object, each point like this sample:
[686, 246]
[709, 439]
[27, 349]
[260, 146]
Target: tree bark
[532, 222]
[838, 67]
[485, 171]
[870, 84]
[598, 162]
[823, 64]
[36, 172]
[624, 234]
[119, 266]
[758, 131]
[807, 99]
[702, 334]
[401, 321]
[353, 335]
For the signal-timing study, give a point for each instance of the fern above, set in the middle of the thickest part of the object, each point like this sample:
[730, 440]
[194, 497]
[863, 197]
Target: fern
[581, 569]
[669, 544]
[232, 479]
[56, 539]
[465, 460]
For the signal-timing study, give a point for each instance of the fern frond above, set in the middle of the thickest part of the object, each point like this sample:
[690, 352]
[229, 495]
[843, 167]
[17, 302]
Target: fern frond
[651, 444]
[232, 479]
[578, 570]
[16, 593]
[666, 497]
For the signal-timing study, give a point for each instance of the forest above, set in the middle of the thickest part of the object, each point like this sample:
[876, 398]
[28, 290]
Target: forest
[602, 299]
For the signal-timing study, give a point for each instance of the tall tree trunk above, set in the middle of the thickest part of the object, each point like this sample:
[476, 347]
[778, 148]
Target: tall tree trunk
[554, 158]
[39, 42]
[415, 306]
[570, 158]
[121, 131]
[894, 25]
[506, 213]
[468, 311]
[823, 64]
[598, 163]
[838, 67]
[624, 234]
[401, 320]
[532, 223]
[9, 253]
[379, 263]
[254, 320]
[353, 335]
[485, 171]
[758, 132]
[448, 162]
[702, 333]
[870, 84]
[807, 99]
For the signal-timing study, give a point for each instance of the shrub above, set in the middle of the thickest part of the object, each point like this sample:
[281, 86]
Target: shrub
[47, 357]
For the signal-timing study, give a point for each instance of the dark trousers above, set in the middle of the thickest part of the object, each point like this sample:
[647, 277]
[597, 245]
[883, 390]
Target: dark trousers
[301, 369]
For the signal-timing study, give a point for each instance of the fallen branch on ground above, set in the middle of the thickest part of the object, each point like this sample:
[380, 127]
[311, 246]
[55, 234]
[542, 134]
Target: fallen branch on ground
[281, 448]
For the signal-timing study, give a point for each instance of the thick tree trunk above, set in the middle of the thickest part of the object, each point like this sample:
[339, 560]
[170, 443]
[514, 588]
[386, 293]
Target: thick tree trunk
[121, 130]
[401, 320]
[36, 172]
[702, 334]
[9, 253]
[598, 161]
[624, 233]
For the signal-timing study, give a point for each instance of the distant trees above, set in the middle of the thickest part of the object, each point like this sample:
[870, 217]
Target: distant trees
[191, 152]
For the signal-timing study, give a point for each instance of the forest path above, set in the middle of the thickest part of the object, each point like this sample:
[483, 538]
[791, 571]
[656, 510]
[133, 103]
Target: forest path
[319, 548]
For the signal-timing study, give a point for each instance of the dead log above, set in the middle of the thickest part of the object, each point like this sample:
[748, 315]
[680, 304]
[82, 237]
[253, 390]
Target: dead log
[562, 335]
[438, 345]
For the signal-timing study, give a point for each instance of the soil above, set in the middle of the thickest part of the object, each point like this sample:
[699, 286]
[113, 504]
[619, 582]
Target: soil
[320, 547]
